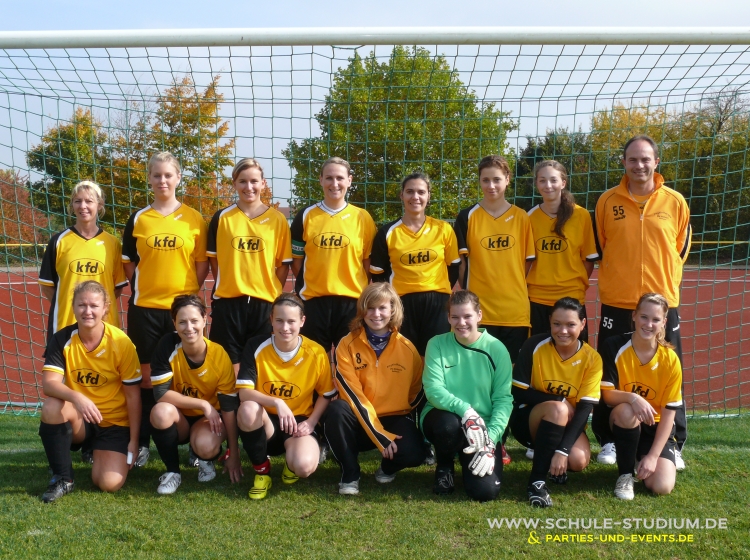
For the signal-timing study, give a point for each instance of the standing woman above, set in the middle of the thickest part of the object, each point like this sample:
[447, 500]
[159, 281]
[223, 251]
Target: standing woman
[642, 388]
[90, 379]
[556, 383]
[379, 377]
[250, 250]
[164, 255]
[82, 252]
[331, 245]
[419, 256]
[565, 247]
[467, 381]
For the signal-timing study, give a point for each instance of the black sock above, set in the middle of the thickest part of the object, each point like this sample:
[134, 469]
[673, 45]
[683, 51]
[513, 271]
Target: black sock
[167, 442]
[56, 439]
[626, 444]
[548, 437]
[147, 403]
[255, 444]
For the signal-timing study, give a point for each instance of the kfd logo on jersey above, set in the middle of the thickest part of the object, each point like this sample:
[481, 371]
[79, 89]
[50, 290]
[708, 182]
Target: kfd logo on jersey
[331, 240]
[165, 242]
[189, 391]
[498, 242]
[418, 257]
[552, 244]
[89, 378]
[284, 390]
[86, 267]
[247, 244]
[640, 389]
[561, 388]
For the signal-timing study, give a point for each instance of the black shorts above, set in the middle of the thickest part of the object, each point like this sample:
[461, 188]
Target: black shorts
[191, 420]
[425, 316]
[616, 320]
[275, 444]
[519, 425]
[645, 441]
[111, 438]
[540, 314]
[511, 337]
[146, 326]
[236, 320]
[327, 319]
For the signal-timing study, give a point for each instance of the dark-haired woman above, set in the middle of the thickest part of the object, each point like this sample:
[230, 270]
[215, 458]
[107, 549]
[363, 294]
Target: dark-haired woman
[565, 247]
[196, 401]
[556, 383]
[418, 255]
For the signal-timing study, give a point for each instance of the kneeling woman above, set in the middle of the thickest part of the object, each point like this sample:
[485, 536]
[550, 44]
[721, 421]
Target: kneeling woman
[467, 380]
[556, 383]
[278, 380]
[92, 381]
[379, 377]
[641, 387]
[193, 379]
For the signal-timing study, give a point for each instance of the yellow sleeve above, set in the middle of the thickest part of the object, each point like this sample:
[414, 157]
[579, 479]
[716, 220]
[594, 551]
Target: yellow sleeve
[590, 390]
[451, 245]
[226, 376]
[324, 386]
[283, 244]
[672, 397]
[528, 234]
[129, 366]
[119, 273]
[416, 392]
[684, 235]
[601, 235]
[588, 248]
[201, 241]
[369, 234]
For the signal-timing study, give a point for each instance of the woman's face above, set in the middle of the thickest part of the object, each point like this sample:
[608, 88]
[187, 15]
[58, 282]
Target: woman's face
[249, 185]
[566, 327]
[549, 183]
[89, 309]
[465, 320]
[649, 320]
[189, 324]
[494, 183]
[335, 180]
[378, 317]
[286, 321]
[415, 196]
[85, 206]
[163, 179]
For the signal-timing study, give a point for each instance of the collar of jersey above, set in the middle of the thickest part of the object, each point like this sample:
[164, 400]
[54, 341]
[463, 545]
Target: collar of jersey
[623, 186]
[331, 211]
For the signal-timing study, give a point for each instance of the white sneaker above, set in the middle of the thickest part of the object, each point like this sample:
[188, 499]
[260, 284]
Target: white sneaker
[383, 478]
[678, 460]
[169, 483]
[624, 487]
[206, 471]
[608, 454]
[530, 454]
[323, 452]
[349, 488]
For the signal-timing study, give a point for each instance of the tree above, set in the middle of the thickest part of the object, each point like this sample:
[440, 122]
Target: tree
[21, 223]
[392, 118]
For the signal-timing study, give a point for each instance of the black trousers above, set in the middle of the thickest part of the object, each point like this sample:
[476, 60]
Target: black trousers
[347, 438]
[443, 430]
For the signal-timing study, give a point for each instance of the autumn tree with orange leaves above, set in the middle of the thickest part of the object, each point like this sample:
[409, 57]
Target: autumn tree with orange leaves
[21, 222]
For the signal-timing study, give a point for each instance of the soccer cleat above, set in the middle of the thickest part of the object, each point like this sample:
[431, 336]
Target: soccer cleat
[559, 479]
[142, 459]
[530, 454]
[87, 456]
[288, 477]
[383, 478]
[349, 488]
[506, 457]
[429, 458]
[169, 483]
[192, 457]
[206, 471]
[57, 488]
[260, 488]
[624, 487]
[608, 454]
[323, 452]
[443, 482]
[678, 460]
[539, 494]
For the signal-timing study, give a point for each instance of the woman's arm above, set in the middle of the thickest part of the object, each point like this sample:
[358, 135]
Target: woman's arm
[306, 427]
[133, 398]
[649, 461]
[48, 292]
[287, 422]
[201, 272]
[232, 464]
[282, 273]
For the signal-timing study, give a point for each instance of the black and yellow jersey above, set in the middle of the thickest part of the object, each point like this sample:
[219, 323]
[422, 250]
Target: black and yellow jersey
[659, 381]
[378, 386]
[415, 262]
[333, 246]
[200, 381]
[496, 251]
[558, 270]
[541, 368]
[71, 259]
[642, 251]
[248, 252]
[164, 250]
[100, 374]
[294, 381]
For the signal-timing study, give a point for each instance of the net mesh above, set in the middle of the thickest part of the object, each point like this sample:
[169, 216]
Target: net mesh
[72, 114]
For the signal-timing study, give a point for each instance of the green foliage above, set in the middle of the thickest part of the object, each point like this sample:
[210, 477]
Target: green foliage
[389, 119]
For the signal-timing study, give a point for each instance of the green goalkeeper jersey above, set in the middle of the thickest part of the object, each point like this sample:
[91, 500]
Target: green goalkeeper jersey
[478, 376]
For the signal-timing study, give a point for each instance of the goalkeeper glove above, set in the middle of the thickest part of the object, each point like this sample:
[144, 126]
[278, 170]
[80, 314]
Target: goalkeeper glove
[483, 462]
[475, 431]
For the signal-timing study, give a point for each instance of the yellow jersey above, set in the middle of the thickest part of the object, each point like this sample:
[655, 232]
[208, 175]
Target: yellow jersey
[248, 252]
[558, 270]
[496, 251]
[71, 259]
[100, 374]
[164, 250]
[334, 245]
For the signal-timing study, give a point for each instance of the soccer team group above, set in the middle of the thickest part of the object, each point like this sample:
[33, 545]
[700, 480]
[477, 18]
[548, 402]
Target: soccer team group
[417, 366]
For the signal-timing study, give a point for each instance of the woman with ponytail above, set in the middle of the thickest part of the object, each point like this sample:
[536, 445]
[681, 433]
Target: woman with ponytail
[565, 247]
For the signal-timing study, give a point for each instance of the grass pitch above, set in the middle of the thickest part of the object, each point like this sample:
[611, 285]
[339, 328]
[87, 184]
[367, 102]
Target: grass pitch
[400, 520]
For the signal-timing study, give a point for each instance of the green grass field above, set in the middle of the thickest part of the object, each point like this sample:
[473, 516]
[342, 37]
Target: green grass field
[400, 520]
